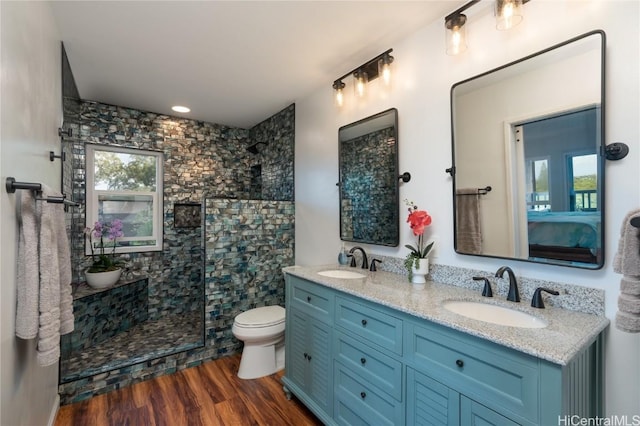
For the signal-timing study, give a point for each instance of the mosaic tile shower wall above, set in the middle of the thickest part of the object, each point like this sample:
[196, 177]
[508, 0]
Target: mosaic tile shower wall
[276, 156]
[248, 242]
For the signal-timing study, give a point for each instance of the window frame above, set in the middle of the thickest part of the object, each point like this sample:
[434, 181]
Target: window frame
[92, 197]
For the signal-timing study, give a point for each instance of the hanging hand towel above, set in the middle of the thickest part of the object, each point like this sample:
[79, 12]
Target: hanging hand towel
[27, 314]
[54, 293]
[468, 231]
[627, 259]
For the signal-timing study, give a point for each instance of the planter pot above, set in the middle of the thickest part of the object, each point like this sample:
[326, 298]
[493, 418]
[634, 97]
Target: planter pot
[418, 274]
[101, 280]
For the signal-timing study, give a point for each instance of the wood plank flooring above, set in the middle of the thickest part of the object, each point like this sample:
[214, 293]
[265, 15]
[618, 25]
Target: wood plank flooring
[210, 394]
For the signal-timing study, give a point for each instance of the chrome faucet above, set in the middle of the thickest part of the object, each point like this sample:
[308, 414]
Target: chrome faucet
[365, 261]
[514, 293]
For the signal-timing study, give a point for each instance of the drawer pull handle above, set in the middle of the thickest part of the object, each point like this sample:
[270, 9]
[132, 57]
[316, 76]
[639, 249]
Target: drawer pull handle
[363, 395]
[460, 363]
[363, 361]
[308, 299]
[364, 322]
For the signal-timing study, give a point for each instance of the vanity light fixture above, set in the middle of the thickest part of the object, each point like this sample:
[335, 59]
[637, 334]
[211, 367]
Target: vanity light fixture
[179, 108]
[380, 66]
[508, 14]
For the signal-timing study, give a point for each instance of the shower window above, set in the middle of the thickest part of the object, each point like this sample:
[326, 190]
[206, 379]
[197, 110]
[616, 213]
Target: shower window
[126, 184]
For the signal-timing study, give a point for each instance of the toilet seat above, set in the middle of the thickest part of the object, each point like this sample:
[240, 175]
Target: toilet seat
[265, 316]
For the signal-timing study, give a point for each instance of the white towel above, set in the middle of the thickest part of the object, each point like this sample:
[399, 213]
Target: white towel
[28, 281]
[54, 292]
[52, 262]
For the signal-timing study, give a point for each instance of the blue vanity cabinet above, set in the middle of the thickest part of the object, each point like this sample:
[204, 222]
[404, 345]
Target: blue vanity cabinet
[308, 345]
[377, 365]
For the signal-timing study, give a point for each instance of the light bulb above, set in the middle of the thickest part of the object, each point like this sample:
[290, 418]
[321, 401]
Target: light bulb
[360, 84]
[339, 97]
[384, 69]
[338, 87]
[508, 13]
[180, 108]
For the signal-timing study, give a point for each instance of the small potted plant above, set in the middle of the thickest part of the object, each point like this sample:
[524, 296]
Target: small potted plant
[417, 261]
[105, 270]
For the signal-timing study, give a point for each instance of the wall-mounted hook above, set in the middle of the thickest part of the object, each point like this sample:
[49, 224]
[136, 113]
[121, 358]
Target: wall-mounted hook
[405, 177]
[63, 133]
[616, 151]
[53, 156]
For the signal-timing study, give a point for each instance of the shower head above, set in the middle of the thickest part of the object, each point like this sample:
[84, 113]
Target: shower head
[254, 148]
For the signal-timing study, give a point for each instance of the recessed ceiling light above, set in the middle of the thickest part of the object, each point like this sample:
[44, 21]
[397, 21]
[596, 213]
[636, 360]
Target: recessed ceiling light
[178, 108]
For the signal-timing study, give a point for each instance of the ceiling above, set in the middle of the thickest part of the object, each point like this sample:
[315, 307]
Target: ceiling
[232, 62]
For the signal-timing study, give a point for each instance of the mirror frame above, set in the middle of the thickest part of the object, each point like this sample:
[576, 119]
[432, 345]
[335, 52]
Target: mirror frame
[396, 225]
[600, 151]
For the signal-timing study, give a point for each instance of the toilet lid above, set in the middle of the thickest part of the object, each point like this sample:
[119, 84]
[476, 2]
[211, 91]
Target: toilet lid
[261, 317]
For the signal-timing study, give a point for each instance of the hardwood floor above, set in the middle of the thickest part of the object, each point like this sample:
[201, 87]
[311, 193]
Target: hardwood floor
[207, 395]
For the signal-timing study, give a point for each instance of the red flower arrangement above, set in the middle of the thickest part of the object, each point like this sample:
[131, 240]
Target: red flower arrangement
[418, 220]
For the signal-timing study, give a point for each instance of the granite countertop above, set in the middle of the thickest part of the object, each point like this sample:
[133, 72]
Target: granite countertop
[567, 332]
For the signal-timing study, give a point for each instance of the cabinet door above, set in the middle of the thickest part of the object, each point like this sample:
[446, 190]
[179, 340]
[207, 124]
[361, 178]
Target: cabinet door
[309, 361]
[319, 359]
[431, 403]
[475, 414]
[296, 357]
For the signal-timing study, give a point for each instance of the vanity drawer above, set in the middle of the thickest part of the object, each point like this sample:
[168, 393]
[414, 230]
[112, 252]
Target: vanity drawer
[311, 298]
[377, 368]
[374, 325]
[497, 377]
[358, 402]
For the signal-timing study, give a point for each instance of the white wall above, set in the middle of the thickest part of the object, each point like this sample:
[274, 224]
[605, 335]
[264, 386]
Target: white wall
[30, 115]
[423, 76]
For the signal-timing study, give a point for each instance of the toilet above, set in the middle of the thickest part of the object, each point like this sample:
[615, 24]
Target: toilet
[262, 331]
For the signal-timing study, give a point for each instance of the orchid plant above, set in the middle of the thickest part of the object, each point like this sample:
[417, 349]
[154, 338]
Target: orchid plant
[418, 220]
[103, 262]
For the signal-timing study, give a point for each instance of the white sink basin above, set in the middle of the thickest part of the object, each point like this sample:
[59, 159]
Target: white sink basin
[494, 314]
[341, 273]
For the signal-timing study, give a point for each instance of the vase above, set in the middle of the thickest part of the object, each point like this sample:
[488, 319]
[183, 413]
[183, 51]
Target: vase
[102, 280]
[418, 274]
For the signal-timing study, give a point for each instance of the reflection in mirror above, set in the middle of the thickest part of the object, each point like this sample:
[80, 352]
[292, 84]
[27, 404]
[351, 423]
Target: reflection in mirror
[368, 167]
[532, 130]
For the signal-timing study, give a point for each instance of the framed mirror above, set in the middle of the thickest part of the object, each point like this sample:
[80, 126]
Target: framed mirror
[528, 170]
[368, 169]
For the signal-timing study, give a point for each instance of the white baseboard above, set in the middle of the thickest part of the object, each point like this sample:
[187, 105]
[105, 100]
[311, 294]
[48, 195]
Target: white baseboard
[54, 411]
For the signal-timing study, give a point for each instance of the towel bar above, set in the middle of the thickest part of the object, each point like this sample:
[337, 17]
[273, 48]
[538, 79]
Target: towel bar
[11, 185]
[481, 191]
